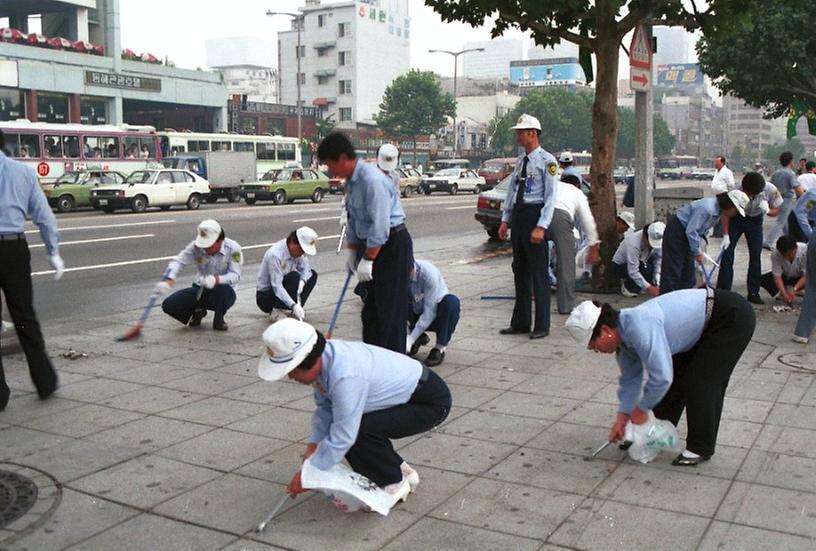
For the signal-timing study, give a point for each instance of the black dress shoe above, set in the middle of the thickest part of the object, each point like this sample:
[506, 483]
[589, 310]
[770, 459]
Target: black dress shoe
[195, 319]
[435, 357]
[514, 331]
[420, 342]
[220, 325]
[539, 334]
[4, 397]
[683, 461]
[755, 299]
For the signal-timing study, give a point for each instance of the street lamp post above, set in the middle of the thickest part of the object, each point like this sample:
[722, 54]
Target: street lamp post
[455, 67]
[298, 19]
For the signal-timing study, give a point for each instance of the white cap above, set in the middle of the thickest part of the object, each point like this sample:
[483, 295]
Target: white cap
[526, 122]
[565, 157]
[307, 239]
[581, 323]
[207, 233]
[628, 218]
[387, 157]
[655, 234]
[740, 200]
[286, 344]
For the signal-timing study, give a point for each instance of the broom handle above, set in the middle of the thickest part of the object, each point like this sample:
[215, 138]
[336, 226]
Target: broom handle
[337, 308]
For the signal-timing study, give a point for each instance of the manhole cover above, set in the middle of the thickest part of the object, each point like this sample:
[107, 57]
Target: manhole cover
[18, 494]
[806, 361]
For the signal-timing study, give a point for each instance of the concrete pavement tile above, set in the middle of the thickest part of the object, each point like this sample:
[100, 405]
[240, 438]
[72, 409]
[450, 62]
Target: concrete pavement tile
[95, 390]
[249, 545]
[29, 407]
[792, 416]
[607, 395]
[607, 525]
[739, 409]
[735, 433]
[153, 373]
[780, 470]
[277, 422]
[592, 413]
[562, 387]
[278, 466]
[809, 398]
[799, 389]
[206, 359]
[210, 382]
[150, 480]
[471, 396]
[152, 399]
[81, 421]
[152, 532]
[723, 535]
[67, 461]
[491, 345]
[97, 365]
[272, 394]
[495, 427]
[454, 453]
[147, 352]
[149, 433]
[435, 486]
[576, 439]
[755, 390]
[489, 378]
[438, 534]
[215, 411]
[770, 508]
[511, 508]
[725, 463]
[19, 442]
[553, 471]
[222, 449]
[463, 356]
[787, 440]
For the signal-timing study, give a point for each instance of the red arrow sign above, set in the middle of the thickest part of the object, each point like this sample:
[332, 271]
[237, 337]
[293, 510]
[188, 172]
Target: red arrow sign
[642, 79]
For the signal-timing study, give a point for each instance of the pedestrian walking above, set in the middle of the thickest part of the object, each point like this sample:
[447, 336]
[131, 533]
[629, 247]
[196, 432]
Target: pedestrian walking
[637, 260]
[218, 261]
[784, 178]
[807, 315]
[681, 240]
[286, 278]
[788, 262]
[380, 247]
[529, 206]
[21, 197]
[686, 343]
[433, 308]
[365, 397]
[803, 216]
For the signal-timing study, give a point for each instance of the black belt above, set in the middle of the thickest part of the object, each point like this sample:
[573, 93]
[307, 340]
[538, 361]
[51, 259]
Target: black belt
[398, 228]
[12, 237]
[423, 377]
[528, 205]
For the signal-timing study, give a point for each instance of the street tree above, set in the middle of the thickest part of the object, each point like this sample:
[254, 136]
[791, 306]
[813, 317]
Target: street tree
[597, 27]
[414, 104]
[770, 155]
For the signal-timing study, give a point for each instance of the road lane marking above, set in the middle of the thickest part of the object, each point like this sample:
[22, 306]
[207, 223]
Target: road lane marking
[100, 240]
[315, 219]
[108, 226]
[460, 208]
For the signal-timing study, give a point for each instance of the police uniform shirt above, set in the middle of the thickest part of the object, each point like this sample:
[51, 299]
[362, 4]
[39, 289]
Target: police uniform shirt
[770, 194]
[805, 211]
[21, 196]
[373, 206]
[650, 334]
[573, 171]
[278, 262]
[539, 186]
[632, 251]
[427, 288]
[226, 263]
[355, 378]
[698, 217]
[781, 266]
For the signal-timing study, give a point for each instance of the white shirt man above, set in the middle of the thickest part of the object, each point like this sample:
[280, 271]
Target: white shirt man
[724, 179]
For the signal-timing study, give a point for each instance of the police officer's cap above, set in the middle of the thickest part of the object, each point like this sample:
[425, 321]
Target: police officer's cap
[527, 122]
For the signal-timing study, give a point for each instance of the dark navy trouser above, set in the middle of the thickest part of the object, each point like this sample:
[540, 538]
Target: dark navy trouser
[183, 303]
[646, 270]
[530, 271]
[267, 300]
[677, 269]
[447, 316]
[751, 226]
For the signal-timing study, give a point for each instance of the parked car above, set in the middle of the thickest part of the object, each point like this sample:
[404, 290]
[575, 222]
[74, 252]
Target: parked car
[622, 175]
[73, 188]
[161, 188]
[495, 170]
[410, 181]
[451, 180]
[489, 207]
[441, 164]
[286, 186]
[703, 173]
[337, 185]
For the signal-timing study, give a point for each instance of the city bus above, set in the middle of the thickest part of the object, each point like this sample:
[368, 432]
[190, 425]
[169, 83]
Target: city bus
[51, 149]
[271, 152]
[675, 167]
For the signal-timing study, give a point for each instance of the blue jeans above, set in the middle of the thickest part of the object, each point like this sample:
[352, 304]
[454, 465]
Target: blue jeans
[646, 270]
[751, 226]
[267, 300]
[447, 316]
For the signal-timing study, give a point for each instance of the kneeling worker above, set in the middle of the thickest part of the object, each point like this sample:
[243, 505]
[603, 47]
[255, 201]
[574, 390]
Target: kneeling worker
[433, 308]
[365, 396]
[687, 342]
[637, 260]
[218, 260]
[285, 279]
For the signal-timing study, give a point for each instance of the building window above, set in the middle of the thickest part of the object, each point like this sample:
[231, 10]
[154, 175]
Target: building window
[52, 107]
[302, 50]
[399, 31]
[321, 20]
[11, 104]
[302, 78]
[343, 30]
[345, 113]
[321, 52]
[93, 111]
[322, 79]
[344, 58]
[344, 86]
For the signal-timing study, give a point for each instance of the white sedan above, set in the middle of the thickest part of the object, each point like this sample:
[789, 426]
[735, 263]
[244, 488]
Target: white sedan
[451, 180]
[161, 188]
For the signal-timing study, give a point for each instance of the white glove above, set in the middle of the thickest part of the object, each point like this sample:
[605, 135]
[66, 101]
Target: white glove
[726, 241]
[764, 207]
[56, 262]
[351, 261]
[163, 288]
[343, 218]
[298, 311]
[208, 282]
[409, 343]
[365, 270]
[301, 285]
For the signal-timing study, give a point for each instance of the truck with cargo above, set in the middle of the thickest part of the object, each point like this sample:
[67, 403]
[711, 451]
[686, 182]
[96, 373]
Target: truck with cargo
[225, 170]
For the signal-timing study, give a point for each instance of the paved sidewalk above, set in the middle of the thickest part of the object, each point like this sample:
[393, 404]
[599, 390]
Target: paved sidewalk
[173, 442]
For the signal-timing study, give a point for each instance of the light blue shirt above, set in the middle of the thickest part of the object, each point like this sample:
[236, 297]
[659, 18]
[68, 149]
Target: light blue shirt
[278, 262]
[373, 206]
[572, 170]
[632, 251]
[785, 181]
[226, 263]
[427, 288]
[356, 378]
[650, 335]
[21, 197]
[539, 186]
[698, 217]
[805, 211]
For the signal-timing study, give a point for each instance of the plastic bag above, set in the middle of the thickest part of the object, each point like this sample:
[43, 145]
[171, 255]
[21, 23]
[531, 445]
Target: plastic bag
[348, 490]
[652, 437]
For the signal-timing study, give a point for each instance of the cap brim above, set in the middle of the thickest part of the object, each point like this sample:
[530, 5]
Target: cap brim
[310, 250]
[205, 242]
[581, 344]
[523, 127]
[388, 165]
[270, 370]
[656, 243]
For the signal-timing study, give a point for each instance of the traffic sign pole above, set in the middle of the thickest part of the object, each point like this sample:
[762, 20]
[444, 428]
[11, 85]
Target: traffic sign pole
[640, 79]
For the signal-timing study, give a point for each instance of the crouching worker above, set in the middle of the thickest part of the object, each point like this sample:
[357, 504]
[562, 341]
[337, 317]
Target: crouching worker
[787, 269]
[433, 308]
[637, 260]
[365, 396]
[687, 342]
[285, 279]
[218, 260]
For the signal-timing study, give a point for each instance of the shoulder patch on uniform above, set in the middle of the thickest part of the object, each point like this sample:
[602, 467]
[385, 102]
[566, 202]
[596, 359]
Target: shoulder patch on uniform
[237, 257]
[552, 168]
[199, 259]
[810, 204]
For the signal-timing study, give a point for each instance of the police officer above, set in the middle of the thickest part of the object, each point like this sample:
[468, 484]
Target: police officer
[365, 396]
[529, 206]
[380, 247]
[286, 279]
[21, 197]
[218, 262]
[637, 260]
[565, 161]
[433, 308]
[687, 343]
[802, 216]
[387, 159]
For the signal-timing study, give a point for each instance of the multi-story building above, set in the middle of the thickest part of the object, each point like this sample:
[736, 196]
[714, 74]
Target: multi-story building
[247, 65]
[747, 129]
[350, 52]
[673, 45]
[494, 61]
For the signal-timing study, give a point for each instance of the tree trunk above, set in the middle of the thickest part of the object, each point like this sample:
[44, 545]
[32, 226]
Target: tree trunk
[604, 137]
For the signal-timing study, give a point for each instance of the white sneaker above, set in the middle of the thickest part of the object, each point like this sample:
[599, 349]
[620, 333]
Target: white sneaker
[410, 475]
[399, 490]
[800, 340]
[626, 292]
[277, 314]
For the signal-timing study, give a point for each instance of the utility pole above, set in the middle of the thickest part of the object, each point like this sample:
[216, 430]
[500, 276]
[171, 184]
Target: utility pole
[640, 64]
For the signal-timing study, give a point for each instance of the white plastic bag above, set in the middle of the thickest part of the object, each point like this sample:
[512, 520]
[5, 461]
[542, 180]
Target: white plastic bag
[650, 438]
[348, 490]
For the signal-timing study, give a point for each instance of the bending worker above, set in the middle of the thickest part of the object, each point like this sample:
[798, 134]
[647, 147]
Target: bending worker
[433, 308]
[365, 396]
[286, 279]
[637, 260]
[687, 343]
[218, 262]
[787, 269]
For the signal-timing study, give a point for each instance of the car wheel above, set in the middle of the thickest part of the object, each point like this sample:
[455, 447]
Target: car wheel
[212, 198]
[250, 201]
[233, 196]
[279, 197]
[194, 201]
[165, 207]
[138, 204]
[408, 191]
[108, 210]
[317, 196]
[454, 189]
[477, 190]
[66, 203]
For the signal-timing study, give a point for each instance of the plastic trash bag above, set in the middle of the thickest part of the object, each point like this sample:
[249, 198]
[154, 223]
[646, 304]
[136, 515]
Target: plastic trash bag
[650, 438]
[348, 490]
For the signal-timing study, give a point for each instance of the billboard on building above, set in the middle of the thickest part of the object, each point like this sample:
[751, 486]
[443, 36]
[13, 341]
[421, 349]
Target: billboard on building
[679, 74]
[546, 72]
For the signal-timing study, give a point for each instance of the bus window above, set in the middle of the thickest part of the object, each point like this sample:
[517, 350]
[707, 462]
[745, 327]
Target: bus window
[98, 147]
[266, 151]
[198, 145]
[286, 151]
[52, 147]
[29, 146]
[131, 145]
[221, 146]
[110, 147]
[244, 146]
[70, 146]
[147, 148]
[192, 145]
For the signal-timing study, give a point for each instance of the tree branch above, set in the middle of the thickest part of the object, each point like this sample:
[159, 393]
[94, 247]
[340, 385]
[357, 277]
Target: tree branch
[565, 34]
